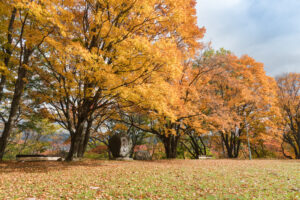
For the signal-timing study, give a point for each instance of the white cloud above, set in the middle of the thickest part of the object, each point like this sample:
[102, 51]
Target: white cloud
[267, 30]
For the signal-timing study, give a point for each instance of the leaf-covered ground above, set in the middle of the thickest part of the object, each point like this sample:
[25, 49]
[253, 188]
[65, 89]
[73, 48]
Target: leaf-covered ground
[176, 179]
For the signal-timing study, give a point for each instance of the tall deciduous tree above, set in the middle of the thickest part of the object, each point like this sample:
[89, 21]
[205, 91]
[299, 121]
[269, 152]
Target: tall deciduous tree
[24, 25]
[289, 103]
[112, 51]
[247, 98]
[188, 102]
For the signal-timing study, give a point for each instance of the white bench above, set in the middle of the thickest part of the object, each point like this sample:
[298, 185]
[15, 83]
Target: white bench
[37, 158]
[204, 157]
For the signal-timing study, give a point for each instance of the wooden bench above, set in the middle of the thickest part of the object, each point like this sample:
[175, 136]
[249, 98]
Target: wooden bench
[37, 158]
[205, 157]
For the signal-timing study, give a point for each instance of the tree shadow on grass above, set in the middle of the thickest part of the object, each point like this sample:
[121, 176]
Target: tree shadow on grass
[47, 166]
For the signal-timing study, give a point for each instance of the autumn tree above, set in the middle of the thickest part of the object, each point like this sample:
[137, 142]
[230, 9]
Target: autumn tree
[198, 116]
[289, 103]
[246, 100]
[190, 106]
[109, 52]
[187, 101]
[24, 25]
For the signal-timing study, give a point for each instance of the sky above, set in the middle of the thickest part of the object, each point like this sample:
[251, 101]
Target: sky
[267, 30]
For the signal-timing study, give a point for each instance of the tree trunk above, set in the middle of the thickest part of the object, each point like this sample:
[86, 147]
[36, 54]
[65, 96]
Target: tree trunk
[76, 139]
[297, 146]
[7, 50]
[80, 150]
[232, 145]
[282, 150]
[293, 143]
[84, 140]
[297, 151]
[197, 146]
[19, 88]
[170, 144]
[86, 137]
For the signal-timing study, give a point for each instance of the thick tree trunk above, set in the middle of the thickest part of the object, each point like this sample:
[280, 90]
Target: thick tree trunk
[84, 140]
[297, 151]
[80, 150]
[7, 53]
[73, 148]
[170, 144]
[232, 145]
[76, 139]
[19, 88]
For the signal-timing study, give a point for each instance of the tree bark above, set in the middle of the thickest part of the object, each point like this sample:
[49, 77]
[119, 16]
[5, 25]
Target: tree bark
[80, 150]
[19, 88]
[170, 144]
[75, 143]
[232, 145]
[84, 140]
[87, 136]
[289, 140]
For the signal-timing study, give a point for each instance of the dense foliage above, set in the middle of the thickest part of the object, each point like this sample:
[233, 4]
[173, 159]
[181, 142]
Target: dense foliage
[98, 68]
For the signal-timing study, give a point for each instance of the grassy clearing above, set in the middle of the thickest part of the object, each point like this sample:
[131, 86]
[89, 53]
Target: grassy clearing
[177, 179]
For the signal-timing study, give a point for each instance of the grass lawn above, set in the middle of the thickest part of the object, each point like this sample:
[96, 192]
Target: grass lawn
[175, 179]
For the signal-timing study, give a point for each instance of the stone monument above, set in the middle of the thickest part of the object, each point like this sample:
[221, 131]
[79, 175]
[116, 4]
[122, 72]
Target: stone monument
[120, 146]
